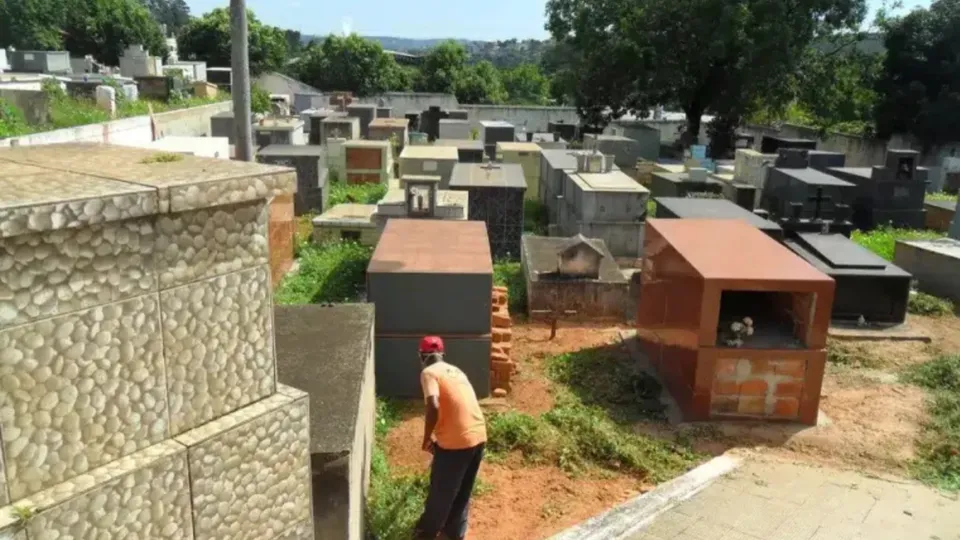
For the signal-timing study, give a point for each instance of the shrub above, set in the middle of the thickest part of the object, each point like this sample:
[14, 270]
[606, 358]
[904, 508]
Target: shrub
[926, 304]
[12, 121]
[536, 217]
[330, 273]
[259, 100]
[509, 274]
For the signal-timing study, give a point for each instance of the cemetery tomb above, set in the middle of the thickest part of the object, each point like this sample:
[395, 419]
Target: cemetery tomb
[626, 151]
[823, 161]
[387, 129]
[419, 197]
[795, 191]
[278, 131]
[692, 182]
[339, 378]
[308, 160]
[935, 264]
[414, 119]
[313, 123]
[137, 62]
[496, 193]
[600, 202]
[220, 76]
[429, 160]
[209, 147]
[890, 194]
[384, 112]
[458, 114]
[454, 129]
[419, 138]
[553, 167]
[526, 154]
[772, 145]
[692, 208]
[955, 226]
[733, 337]
[368, 162]
[546, 141]
[743, 195]
[366, 113]
[939, 215]
[752, 167]
[567, 131]
[419, 289]
[867, 285]
[222, 125]
[158, 88]
[347, 222]
[161, 404]
[469, 151]
[574, 274]
[430, 122]
[339, 127]
[646, 139]
[493, 132]
[40, 62]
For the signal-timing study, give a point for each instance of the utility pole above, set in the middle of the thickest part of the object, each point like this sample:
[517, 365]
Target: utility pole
[240, 65]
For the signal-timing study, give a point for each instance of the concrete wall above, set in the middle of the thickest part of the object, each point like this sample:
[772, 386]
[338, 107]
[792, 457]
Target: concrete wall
[184, 122]
[33, 103]
[934, 264]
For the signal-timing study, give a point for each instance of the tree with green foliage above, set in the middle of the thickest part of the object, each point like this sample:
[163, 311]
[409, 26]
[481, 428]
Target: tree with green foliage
[481, 84]
[101, 28]
[702, 56]
[207, 38]
[174, 14]
[835, 90]
[920, 79]
[351, 63]
[526, 85]
[442, 68]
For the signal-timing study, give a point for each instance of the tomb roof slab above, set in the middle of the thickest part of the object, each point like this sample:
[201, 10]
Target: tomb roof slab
[432, 246]
[814, 177]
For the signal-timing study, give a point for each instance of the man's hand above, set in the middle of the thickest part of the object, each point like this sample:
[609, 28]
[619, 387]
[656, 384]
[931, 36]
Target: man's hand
[428, 446]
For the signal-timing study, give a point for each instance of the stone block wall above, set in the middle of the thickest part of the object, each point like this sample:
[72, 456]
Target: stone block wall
[138, 393]
[502, 367]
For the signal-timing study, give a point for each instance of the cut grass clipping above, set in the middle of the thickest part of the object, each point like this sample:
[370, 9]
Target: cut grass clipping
[882, 241]
[333, 272]
[926, 304]
[589, 428]
[938, 450]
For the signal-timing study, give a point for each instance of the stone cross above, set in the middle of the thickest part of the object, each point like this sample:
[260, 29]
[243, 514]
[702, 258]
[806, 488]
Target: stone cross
[819, 199]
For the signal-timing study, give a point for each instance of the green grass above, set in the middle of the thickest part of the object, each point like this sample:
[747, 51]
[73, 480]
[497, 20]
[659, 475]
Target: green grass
[882, 241]
[536, 217]
[941, 196]
[651, 208]
[599, 395]
[333, 272]
[356, 193]
[509, 274]
[938, 450]
[929, 305]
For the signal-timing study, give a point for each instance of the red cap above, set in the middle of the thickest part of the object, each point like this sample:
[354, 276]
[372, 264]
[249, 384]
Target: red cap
[431, 344]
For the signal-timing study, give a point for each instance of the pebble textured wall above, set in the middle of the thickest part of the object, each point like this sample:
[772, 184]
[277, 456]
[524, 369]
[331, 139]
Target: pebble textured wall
[218, 345]
[80, 390]
[234, 500]
[203, 243]
[138, 394]
[46, 274]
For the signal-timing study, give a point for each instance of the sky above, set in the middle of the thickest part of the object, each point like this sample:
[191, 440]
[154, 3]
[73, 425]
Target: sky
[467, 19]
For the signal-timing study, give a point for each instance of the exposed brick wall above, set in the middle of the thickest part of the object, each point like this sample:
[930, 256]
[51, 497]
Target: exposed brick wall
[502, 366]
[759, 388]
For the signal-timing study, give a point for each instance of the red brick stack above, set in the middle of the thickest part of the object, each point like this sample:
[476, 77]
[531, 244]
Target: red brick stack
[501, 366]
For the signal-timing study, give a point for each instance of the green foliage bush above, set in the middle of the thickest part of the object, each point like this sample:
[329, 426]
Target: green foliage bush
[356, 193]
[536, 217]
[12, 121]
[328, 273]
[927, 304]
[938, 449]
[883, 240]
[509, 274]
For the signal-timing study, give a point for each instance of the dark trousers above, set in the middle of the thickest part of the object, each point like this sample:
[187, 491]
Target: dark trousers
[452, 475]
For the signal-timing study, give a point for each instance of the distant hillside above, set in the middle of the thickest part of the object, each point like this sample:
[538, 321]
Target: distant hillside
[405, 44]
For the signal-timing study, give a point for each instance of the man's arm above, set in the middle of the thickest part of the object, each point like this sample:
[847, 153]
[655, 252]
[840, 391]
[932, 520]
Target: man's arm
[431, 401]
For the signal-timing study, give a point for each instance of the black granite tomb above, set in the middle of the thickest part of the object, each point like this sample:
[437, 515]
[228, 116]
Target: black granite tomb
[366, 113]
[795, 191]
[890, 194]
[430, 122]
[414, 120]
[744, 195]
[822, 160]
[495, 197]
[690, 208]
[770, 144]
[867, 285]
[308, 160]
[567, 131]
[314, 119]
[468, 151]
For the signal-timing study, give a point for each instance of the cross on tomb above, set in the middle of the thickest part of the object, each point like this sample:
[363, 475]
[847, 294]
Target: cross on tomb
[818, 200]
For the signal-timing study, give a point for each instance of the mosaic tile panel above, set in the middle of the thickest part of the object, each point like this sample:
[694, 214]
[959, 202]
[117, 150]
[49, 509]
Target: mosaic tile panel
[79, 391]
[145, 495]
[61, 271]
[250, 471]
[218, 346]
[204, 243]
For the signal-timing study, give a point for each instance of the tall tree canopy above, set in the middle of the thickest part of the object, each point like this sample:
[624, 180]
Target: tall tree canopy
[443, 67]
[526, 84]
[207, 38]
[174, 14]
[920, 81]
[102, 28]
[700, 55]
[481, 84]
[351, 63]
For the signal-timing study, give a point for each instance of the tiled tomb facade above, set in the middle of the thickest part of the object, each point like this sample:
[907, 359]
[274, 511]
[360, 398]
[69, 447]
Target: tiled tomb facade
[138, 393]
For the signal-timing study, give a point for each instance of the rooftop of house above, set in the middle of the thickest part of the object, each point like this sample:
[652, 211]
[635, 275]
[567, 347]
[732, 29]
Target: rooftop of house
[432, 246]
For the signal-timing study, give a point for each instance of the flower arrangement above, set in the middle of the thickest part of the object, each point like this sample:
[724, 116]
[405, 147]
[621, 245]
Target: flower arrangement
[740, 331]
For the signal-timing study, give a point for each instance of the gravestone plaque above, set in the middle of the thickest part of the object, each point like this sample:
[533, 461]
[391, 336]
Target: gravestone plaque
[867, 285]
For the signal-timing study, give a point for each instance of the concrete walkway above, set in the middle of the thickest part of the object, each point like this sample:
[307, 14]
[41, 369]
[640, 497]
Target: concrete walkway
[773, 500]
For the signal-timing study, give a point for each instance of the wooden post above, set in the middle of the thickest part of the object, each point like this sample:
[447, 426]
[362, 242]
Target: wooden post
[554, 319]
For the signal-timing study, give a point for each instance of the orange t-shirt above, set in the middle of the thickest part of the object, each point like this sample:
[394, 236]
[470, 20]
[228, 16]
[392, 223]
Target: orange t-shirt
[460, 423]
